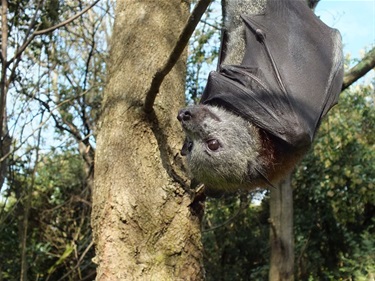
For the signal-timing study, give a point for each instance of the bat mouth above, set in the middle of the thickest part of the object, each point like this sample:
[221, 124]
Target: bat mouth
[187, 147]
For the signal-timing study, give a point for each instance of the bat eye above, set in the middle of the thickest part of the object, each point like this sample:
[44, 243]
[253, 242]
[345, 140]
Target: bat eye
[213, 144]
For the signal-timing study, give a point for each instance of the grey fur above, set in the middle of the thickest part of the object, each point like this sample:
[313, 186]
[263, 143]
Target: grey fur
[237, 162]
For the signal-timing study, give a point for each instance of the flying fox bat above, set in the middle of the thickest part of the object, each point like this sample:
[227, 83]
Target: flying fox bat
[280, 71]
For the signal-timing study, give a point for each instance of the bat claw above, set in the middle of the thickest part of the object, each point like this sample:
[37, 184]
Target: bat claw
[261, 36]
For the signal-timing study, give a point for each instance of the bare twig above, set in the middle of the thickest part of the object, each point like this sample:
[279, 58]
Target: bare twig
[47, 30]
[41, 124]
[179, 47]
[79, 261]
[359, 70]
[44, 31]
[17, 57]
[27, 207]
[244, 203]
[211, 25]
[33, 20]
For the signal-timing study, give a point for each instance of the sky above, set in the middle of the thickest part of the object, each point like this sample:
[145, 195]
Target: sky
[355, 19]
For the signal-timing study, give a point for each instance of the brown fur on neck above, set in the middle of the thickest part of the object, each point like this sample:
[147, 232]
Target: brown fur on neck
[279, 157]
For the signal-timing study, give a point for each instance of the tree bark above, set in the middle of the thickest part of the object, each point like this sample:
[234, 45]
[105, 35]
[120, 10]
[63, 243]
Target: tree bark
[4, 136]
[143, 226]
[281, 232]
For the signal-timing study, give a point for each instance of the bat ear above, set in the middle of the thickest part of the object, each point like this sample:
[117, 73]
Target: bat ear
[186, 147]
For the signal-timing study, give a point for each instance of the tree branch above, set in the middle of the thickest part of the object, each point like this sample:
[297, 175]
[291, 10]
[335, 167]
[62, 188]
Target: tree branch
[51, 114]
[179, 47]
[359, 70]
[44, 31]
[79, 261]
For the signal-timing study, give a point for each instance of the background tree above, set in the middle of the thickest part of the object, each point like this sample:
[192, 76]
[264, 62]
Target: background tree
[52, 78]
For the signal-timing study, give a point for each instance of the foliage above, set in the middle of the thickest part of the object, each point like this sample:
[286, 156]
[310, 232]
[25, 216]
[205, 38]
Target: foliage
[236, 247]
[334, 194]
[58, 226]
[53, 89]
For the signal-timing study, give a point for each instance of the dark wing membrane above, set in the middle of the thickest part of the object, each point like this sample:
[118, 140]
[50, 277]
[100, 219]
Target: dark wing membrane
[291, 73]
[241, 91]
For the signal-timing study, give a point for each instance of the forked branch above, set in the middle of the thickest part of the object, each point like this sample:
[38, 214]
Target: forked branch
[179, 47]
[47, 30]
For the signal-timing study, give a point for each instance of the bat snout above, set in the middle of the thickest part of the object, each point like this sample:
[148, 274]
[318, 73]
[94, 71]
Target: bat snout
[184, 115]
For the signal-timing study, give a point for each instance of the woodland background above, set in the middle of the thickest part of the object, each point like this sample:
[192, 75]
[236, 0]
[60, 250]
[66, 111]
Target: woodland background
[52, 82]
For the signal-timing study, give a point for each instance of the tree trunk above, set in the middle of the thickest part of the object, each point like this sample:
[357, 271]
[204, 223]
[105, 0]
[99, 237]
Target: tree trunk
[281, 232]
[143, 226]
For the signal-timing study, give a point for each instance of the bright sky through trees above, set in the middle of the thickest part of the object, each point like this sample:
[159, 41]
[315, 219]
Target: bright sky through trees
[356, 21]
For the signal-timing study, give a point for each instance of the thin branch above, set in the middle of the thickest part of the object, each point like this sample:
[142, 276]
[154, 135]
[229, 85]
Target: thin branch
[211, 25]
[244, 203]
[44, 31]
[179, 47]
[33, 20]
[47, 30]
[85, 146]
[303, 250]
[27, 206]
[51, 114]
[79, 261]
[359, 70]
[82, 105]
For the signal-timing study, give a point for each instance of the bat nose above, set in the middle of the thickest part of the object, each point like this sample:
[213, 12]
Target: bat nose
[184, 115]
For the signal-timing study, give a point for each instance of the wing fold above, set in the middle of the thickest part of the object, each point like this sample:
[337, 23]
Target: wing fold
[290, 76]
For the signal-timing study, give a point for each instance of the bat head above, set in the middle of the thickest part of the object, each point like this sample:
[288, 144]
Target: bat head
[223, 150]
